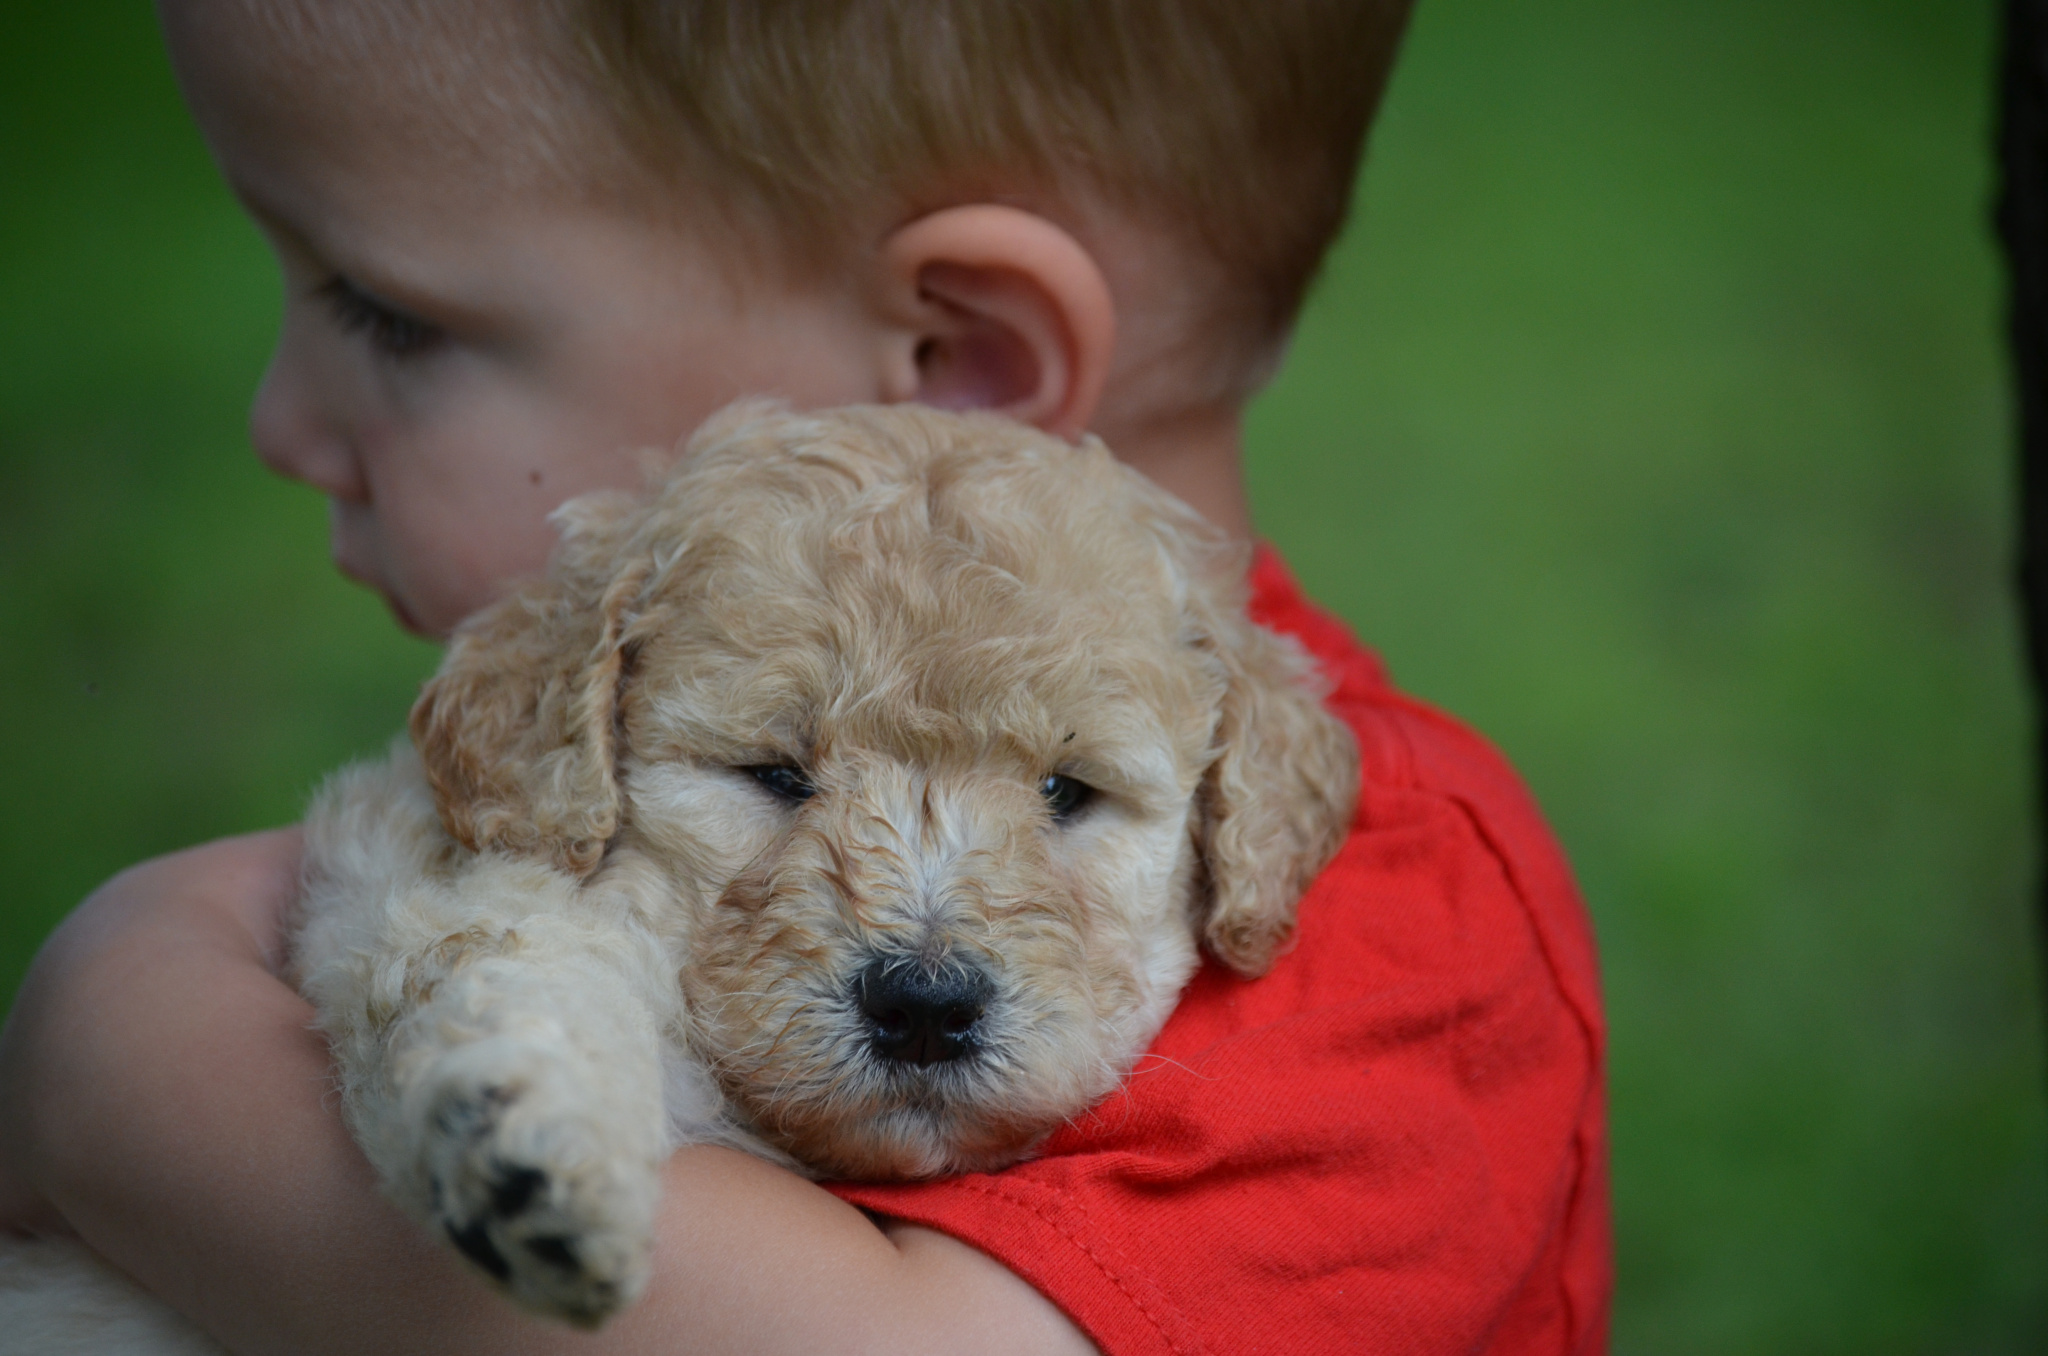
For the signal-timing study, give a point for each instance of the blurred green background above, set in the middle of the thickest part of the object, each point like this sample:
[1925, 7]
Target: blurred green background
[1651, 417]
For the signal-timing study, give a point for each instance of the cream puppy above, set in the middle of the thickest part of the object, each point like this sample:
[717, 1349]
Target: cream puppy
[863, 796]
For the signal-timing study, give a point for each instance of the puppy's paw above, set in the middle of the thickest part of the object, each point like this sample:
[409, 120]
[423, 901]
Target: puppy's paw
[532, 1185]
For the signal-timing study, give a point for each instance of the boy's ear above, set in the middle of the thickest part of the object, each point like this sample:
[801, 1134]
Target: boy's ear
[518, 729]
[995, 308]
[1279, 795]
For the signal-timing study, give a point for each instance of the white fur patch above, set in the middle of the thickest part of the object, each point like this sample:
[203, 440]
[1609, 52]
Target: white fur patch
[576, 930]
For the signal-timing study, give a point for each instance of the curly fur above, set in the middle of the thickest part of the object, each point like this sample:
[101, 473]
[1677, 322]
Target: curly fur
[572, 931]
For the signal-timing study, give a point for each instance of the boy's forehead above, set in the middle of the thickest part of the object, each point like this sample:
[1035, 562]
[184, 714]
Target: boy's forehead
[451, 83]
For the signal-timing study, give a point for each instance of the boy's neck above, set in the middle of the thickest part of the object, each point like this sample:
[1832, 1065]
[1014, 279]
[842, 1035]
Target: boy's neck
[1198, 456]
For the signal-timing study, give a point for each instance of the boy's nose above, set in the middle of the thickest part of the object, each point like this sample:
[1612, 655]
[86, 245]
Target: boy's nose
[293, 437]
[921, 1016]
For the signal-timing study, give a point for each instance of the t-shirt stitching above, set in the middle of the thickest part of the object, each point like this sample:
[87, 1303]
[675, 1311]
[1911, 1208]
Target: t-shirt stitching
[1403, 772]
[1587, 1028]
[1088, 1249]
[1576, 1323]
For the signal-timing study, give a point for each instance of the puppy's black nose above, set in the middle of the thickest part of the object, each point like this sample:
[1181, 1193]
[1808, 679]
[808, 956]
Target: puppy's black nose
[921, 1017]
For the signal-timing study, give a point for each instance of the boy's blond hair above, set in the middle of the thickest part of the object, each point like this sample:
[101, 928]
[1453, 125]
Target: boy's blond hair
[1232, 128]
[1232, 125]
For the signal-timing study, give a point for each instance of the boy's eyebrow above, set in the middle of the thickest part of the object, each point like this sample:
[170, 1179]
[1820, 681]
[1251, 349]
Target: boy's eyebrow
[275, 225]
[282, 226]
[362, 274]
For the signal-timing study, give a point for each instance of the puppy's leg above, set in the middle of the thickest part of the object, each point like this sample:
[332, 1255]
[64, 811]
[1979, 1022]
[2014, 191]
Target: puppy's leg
[525, 1101]
[498, 1031]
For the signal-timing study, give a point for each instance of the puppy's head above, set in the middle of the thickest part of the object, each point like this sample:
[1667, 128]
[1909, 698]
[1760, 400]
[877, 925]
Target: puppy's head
[956, 745]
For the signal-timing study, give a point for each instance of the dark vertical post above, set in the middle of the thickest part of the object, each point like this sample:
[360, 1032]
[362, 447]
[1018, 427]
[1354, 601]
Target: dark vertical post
[2023, 225]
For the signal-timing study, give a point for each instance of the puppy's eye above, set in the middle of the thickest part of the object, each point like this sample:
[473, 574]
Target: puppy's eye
[1065, 796]
[783, 781]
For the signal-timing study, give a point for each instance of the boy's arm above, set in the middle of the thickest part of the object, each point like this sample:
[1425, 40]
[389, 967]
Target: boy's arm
[161, 1091]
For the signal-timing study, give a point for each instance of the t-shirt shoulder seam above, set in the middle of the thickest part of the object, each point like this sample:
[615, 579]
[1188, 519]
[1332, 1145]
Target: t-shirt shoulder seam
[1400, 766]
[1560, 975]
[1588, 1023]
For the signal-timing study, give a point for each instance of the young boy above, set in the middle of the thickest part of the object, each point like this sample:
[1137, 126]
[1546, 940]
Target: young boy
[520, 240]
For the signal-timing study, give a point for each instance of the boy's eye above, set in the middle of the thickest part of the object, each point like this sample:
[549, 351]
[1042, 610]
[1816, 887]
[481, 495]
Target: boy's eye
[1065, 796]
[390, 331]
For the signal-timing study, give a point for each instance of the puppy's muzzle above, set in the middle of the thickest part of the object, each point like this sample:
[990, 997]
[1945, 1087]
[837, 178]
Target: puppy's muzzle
[919, 1015]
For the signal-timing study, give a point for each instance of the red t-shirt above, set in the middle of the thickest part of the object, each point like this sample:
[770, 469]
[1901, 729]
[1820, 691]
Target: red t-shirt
[1392, 1143]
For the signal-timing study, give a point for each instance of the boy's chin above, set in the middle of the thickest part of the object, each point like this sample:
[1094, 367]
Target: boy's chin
[404, 617]
[400, 612]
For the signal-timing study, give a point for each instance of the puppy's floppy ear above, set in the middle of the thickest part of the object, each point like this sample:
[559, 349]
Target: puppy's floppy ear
[518, 728]
[1278, 795]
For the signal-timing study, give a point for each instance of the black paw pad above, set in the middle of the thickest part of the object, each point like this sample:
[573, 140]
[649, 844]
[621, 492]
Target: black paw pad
[557, 1251]
[472, 1242]
[513, 1188]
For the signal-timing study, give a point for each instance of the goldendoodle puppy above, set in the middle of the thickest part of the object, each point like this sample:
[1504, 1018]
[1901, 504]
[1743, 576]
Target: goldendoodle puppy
[862, 795]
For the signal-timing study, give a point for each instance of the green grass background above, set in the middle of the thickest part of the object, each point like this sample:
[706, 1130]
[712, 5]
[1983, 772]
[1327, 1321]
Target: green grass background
[1651, 417]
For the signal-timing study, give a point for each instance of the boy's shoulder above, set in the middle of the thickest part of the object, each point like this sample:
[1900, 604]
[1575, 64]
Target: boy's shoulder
[1409, 747]
[1398, 1132]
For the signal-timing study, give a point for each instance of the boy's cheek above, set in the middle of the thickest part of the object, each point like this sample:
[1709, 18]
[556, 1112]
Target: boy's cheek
[432, 565]
[430, 586]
